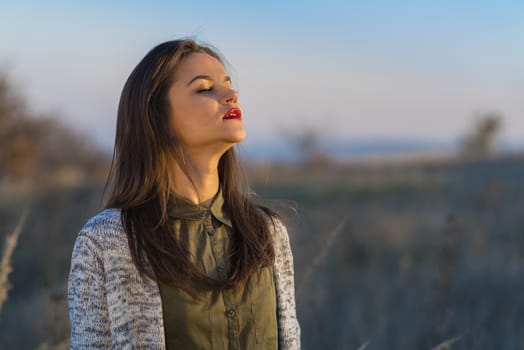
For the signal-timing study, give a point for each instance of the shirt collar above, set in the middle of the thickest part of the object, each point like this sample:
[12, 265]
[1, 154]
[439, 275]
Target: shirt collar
[181, 208]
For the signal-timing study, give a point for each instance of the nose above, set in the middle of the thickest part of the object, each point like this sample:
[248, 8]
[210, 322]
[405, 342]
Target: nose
[230, 96]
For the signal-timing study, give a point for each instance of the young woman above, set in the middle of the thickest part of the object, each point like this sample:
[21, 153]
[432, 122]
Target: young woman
[181, 258]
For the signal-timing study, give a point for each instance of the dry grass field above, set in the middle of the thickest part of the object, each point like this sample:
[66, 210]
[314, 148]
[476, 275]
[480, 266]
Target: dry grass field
[388, 255]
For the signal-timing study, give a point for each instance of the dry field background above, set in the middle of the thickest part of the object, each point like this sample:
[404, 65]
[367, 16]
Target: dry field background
[388, 255]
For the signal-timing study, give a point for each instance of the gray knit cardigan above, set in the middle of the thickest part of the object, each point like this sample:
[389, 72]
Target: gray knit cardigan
[112, 306]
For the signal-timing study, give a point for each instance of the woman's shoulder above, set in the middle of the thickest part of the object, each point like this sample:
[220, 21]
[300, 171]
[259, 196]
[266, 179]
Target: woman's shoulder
[276, 225]
[104, 226]
[279, 231]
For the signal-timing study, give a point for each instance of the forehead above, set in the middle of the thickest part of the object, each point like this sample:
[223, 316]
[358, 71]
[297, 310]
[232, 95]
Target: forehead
[199, 64]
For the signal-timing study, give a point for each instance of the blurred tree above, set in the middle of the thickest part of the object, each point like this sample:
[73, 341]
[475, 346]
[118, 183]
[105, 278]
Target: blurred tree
[37, 148]
[481, 141]
[306, 142]
[13, 132]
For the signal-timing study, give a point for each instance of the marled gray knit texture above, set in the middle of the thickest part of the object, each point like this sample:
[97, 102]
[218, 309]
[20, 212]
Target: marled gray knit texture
[112, 307]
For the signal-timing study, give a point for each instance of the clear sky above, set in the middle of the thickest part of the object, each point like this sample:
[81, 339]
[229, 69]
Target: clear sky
[352, 70]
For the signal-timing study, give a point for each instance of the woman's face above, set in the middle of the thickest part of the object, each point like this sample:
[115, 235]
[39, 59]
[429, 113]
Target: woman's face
[205, 114]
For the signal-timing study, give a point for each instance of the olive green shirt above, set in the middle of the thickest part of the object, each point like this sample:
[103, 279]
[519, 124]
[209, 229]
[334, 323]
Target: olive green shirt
[239, 318]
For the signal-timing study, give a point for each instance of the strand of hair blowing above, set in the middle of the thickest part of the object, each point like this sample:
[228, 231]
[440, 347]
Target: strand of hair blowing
[140, 183]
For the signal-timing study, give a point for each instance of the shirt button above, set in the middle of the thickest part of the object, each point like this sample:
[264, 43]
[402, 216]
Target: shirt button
[221, 271]
[231, 313]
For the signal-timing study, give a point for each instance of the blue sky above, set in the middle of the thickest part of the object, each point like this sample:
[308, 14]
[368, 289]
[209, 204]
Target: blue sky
[352, 70]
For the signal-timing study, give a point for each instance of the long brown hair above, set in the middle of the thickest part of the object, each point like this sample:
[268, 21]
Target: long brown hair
[140, 182]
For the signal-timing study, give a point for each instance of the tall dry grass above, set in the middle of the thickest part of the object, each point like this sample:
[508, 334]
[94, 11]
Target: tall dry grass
[5, 264]
[446, 344]
[324, 251]
[321, 255]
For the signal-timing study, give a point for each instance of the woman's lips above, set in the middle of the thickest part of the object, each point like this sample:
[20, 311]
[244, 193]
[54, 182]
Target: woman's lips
[233, 113]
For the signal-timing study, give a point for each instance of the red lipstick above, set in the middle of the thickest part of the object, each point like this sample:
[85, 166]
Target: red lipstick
[233, 113]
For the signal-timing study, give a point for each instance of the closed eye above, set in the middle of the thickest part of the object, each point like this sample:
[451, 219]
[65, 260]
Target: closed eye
[205, 90]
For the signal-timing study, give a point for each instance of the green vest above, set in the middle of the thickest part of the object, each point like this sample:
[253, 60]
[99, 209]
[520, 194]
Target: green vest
[239, 318]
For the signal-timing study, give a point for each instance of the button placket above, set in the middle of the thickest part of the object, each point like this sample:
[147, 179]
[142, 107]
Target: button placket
[232, 319]
[221, 271]
[231, 313]
[217, 248]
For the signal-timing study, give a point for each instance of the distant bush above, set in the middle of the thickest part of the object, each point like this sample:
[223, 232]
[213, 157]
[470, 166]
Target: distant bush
[36, 148]
[481, 141]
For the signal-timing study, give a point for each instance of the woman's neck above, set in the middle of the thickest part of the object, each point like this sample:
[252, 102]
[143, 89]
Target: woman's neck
[204, 173]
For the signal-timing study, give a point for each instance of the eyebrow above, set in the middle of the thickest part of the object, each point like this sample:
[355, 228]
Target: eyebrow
[207, 77]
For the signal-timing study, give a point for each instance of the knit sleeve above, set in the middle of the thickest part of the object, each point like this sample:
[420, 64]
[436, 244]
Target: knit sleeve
[87, 297]
[289, 328]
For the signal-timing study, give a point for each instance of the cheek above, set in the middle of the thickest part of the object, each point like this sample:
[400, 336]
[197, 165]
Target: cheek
[193, 120]
[199, 115]
[201, 107]
[181, 114]
[177, 122]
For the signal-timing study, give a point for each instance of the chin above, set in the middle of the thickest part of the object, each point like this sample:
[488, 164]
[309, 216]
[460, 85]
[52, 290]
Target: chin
[237, 137]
